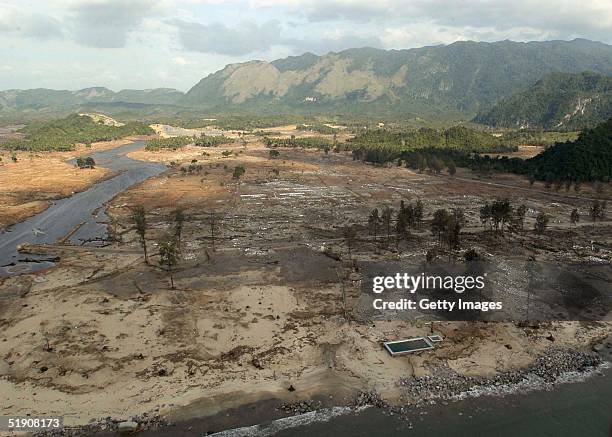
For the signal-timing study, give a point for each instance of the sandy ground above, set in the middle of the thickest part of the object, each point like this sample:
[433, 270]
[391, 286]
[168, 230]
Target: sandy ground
[27, 186]
[102, 334]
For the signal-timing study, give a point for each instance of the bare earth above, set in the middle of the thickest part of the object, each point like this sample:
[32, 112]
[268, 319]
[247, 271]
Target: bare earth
[27, 186]
[101, 334]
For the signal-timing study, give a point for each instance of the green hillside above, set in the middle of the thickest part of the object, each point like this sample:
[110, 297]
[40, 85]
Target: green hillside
[558, 101]
[65, 133]
[589, 158]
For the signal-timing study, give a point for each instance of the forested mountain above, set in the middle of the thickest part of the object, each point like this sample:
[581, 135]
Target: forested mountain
[557, 101]
[456, 80]
[460, 78]
[41, 99]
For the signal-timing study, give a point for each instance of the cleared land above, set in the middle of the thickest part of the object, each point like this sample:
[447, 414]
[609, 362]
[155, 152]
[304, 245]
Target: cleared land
[259, 309]
[28, 184]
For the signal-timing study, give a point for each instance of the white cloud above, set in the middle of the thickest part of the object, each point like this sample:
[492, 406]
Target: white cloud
[562, 18]
[179, 60]
[107, 23]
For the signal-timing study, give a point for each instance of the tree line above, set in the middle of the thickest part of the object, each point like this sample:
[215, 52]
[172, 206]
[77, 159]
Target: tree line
[64, 134]
[587, 159]
[175, 143]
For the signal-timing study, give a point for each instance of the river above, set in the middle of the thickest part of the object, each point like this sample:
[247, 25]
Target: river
[85, 208]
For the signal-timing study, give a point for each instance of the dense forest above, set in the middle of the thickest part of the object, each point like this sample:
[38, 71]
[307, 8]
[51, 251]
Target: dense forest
[174, 143]
[586, 159]
[380, 145]
[589, 158]
[65, 133]
[306, 142]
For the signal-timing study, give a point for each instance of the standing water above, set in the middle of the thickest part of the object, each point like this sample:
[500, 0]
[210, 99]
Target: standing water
[84, 209]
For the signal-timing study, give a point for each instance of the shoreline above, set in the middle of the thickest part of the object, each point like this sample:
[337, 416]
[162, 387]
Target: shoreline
[266, 413]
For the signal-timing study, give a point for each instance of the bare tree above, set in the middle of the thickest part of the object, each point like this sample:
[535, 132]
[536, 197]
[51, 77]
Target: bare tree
[179, 220]
[349, 237]
[374, 222]
[401, 225]
[140, 220]
[213, 228]
[574, 217]
[519, 216]
[168, 255]
[541, 223]
[387, 217]
[439, 222]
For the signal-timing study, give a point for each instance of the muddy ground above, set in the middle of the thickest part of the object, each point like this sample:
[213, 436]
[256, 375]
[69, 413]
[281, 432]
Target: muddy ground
[270, 303]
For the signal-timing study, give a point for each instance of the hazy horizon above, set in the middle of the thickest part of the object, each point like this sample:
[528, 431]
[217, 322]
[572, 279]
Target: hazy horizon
[143, 44]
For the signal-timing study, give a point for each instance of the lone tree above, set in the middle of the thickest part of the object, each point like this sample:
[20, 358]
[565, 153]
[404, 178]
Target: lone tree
[179, 220]
[438, 222]
[350, 234]
[401, 225]
[387, 217]
[541, 223]
[418, 213]
[574, 217]
[452, 229]
[485, 215]
[168, 255]
[85, 163]
[452, 169]
[501, 213]
[519, 216]
[213, 228]
[274, 153]
[374, 222]
[238, 172]
[140, 221]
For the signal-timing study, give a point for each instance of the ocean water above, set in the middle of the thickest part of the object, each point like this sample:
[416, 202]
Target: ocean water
[579, 409]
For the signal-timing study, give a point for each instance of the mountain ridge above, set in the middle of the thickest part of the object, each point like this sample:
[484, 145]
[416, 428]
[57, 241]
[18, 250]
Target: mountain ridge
[557, 101]
[42, 98]
[463, 78]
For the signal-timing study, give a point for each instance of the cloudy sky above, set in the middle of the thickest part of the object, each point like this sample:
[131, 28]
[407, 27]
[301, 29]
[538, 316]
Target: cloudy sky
[72, 44]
